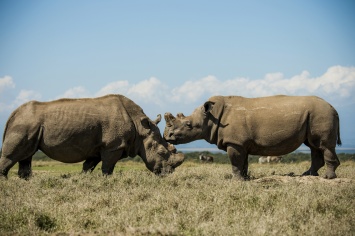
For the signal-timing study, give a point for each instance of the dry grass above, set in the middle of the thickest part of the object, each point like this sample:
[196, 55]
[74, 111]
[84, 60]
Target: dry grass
[198, 199]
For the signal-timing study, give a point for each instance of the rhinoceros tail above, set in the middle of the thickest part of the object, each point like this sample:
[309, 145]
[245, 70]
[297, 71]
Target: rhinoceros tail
[338, 138]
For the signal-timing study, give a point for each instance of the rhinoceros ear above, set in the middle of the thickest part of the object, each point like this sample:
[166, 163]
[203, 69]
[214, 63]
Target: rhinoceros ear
[208, 106]
[156, 122]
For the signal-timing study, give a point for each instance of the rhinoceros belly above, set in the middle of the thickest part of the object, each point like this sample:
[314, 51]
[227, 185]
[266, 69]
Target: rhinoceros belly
[70, 144]
[268, 130]
[278, 134]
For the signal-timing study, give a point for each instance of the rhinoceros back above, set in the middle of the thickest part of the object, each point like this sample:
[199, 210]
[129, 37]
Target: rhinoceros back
[269, 123]
[73, 129]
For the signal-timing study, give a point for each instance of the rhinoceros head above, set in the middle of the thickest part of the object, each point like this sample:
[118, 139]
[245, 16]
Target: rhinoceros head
[184, 129]
[159, 156]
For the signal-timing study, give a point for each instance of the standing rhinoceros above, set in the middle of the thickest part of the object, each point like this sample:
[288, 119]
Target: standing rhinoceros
[273, 126]
[103, 129]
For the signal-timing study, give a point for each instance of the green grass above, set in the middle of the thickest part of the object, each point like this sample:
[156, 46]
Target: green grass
[197, 199]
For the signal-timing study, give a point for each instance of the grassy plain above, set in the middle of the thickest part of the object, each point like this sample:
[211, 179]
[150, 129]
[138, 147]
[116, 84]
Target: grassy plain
[197, 199]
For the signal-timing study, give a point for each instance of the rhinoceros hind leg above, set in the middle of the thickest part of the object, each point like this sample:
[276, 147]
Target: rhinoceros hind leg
[5, 165]
[332, 162]
[24, 169]
[90, 164]
[317, 162]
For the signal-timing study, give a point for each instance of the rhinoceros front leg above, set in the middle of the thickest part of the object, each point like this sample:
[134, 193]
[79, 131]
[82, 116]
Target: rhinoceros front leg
[109, 159]
[25, 168]
[239, 160]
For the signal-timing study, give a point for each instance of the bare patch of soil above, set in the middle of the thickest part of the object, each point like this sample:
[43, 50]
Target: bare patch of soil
[302, 179]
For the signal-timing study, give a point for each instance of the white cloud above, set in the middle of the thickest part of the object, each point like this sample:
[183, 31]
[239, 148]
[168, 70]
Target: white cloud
[76, 92]
[335, 84]
[6, 82]
[191, 91]
[22, 97]
[149, 91]
[120, 87]
[26, 96]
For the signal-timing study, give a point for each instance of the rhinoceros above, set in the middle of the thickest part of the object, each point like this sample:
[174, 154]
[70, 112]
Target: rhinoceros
[205, 158]
[266, 126]
[105, 129]
[270, 159]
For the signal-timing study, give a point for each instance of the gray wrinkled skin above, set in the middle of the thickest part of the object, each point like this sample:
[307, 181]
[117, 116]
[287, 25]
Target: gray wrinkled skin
[267, 126]
[103, 129]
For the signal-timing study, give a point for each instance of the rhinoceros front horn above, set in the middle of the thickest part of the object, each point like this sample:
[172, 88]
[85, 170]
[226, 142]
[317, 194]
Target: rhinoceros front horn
[157, 120]
[169, 118]
[177, 159]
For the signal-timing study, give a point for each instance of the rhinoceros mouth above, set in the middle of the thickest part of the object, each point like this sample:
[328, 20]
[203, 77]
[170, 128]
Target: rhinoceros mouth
[171, 148]
[163, 172]
[172, 142]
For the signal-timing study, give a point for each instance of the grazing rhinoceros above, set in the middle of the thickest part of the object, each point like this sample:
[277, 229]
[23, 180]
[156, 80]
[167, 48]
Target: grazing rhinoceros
[205, 158]
[270, 159]
[273, 126]
[103, 129]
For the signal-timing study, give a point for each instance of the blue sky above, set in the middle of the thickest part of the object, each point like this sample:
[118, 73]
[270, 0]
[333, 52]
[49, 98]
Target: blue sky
[173, 55]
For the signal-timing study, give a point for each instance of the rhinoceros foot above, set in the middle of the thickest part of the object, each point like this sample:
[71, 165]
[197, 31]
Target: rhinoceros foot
[309, 172]
[239, 177]
[330, 175]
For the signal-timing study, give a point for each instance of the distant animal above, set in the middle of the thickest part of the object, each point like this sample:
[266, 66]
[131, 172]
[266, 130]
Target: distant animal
[103, 129]
[273, 126]
[270, 159]
[205, 158]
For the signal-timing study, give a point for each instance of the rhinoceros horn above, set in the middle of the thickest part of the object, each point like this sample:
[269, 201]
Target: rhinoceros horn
[180, 115]
[169, 118]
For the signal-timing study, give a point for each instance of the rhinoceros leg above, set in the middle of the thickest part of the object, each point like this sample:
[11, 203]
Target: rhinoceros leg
[18, 147]
[24, 169]
[238, 158]
[5, 165]
[317, 162]
[332, 162]
[109, 159]
[91, 163]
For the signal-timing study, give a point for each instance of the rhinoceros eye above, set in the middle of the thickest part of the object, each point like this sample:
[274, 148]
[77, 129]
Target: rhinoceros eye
[188, 124]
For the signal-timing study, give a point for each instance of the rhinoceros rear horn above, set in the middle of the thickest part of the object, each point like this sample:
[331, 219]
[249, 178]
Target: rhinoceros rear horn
[208, 106]
[180, 115]
[169, 118]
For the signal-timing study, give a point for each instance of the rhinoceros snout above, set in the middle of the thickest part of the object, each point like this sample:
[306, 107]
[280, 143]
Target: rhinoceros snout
[174, 161]
[169, 135]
